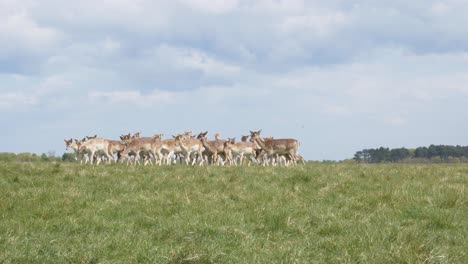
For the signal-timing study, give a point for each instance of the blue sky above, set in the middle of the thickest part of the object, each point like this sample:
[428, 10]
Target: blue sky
[338, 75]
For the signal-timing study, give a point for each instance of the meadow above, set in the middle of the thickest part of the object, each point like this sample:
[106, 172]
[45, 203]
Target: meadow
[317, 213]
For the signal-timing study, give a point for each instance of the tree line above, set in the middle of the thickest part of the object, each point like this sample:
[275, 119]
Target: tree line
[433, 153]
[33, 157]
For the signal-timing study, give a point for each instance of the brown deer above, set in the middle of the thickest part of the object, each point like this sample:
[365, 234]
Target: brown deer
[169, 147]
[274, 147]
[148, 147]
[213, 148]
[91, 137]
[191, 149]
[95, 146]
[233, 149]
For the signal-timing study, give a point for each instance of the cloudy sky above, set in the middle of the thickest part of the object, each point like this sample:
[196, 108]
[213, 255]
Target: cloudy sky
[338, 75]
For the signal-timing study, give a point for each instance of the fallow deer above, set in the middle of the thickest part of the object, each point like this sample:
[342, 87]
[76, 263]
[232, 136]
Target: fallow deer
[272, 147]
[191, 149]
[169, 147]
[96, 146]
[233, 149]
[74, 146]
[213, 148]
[144, 145]
[91, 137]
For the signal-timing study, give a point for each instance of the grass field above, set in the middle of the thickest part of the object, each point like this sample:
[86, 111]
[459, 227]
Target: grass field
[318, 213]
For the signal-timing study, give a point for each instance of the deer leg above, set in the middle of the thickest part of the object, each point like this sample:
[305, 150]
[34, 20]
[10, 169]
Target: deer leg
[91, 157]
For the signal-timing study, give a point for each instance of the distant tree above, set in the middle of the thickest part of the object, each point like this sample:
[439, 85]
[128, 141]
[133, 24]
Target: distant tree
[411, 153]
[358, 156]
[44, 157]
[6, 156]
[68, 157]
[380, 155]
[399, 154]
[433, 153]
[421, 152]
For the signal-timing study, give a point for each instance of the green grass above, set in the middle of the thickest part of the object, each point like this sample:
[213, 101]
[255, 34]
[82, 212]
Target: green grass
[318, 213]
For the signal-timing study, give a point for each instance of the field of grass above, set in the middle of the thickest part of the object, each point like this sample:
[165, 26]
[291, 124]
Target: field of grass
[318, 213]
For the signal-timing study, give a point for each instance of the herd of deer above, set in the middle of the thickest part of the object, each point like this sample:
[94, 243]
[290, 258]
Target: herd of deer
[187, 148]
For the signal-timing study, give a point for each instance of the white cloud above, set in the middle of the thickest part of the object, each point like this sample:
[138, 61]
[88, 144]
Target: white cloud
[133, 98]
[209, 6]
[19, 31]
[198, 60]
[321, 25]
[335, 110]
[17, 102]
[396, 121]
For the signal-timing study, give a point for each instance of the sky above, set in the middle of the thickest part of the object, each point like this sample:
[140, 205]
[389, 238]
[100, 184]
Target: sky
[337, 75]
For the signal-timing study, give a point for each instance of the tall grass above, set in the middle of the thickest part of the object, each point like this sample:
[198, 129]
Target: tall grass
[318, 213]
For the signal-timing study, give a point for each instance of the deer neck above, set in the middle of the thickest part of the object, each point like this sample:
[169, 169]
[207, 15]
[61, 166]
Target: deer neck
[261, 144]
[207, 146]
[183, 146]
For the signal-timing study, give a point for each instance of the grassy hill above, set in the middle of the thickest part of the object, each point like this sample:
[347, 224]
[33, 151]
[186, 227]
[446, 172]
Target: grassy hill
[318, 213]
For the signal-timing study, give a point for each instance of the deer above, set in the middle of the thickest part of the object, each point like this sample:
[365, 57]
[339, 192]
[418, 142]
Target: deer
[146, 145]
[91, 137]
[244, 138]
[276, 147]
[136, 135]
[158, 148]
[124, 137]
[169, 147]
[74, 145]
[190, 146]
[95, 146]
[70, 144]
[116, 147]
[232, 149]
[187, 135]
[213, 148]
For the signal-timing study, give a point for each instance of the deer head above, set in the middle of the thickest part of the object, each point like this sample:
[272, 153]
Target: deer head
[136, 135]
[68, 143]
[124, 136]
[158, 136]
[91, 137]
[202, 135]
[187, 134]
[254, 134]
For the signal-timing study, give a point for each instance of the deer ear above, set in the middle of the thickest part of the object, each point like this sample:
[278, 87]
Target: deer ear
[174, 136]
[259, 131]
